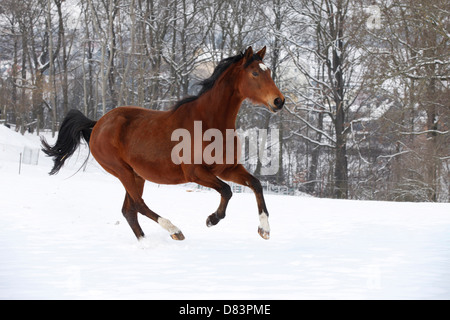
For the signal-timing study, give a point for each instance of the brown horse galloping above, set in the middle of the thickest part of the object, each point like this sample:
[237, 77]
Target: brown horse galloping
[136, 144]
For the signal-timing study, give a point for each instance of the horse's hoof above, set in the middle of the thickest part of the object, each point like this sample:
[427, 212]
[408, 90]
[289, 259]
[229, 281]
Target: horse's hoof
[212, 220]
[177, 236]
[263, 233]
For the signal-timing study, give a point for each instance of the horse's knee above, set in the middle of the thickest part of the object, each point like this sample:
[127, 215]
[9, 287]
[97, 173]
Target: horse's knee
[128, 207]
[226, 192]
[129, 213]
[255, 184]
[125, 208]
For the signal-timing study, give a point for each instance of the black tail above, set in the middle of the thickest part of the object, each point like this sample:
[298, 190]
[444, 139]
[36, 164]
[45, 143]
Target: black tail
[74, 125]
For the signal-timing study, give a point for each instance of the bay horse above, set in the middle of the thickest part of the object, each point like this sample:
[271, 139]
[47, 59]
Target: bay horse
[135, 144]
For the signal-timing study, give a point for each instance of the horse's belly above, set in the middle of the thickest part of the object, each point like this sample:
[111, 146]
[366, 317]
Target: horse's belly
[161, 173]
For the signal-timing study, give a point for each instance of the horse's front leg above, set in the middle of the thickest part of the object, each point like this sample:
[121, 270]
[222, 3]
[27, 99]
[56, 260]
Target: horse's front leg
[241, 176]
[202, 176]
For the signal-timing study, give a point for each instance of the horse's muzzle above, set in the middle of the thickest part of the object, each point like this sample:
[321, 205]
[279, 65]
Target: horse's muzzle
[278, 104]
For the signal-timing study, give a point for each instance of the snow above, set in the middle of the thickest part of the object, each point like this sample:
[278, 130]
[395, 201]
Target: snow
[64, 237]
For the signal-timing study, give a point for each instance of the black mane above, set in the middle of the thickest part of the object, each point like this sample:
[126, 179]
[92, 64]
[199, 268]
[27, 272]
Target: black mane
[208, 83]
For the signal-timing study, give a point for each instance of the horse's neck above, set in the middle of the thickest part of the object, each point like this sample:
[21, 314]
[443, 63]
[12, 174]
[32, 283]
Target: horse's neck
[220, 106]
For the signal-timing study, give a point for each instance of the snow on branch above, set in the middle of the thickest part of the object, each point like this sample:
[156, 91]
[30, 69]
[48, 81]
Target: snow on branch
[312, 127]
[425, 132]
[314, 141]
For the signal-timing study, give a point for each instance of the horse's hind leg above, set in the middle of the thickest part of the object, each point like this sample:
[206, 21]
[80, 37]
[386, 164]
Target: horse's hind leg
[175, 233]
[130, 212]
[130, 209]
[134, 203]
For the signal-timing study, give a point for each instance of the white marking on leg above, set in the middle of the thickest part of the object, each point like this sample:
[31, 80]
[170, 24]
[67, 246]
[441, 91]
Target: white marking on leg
[264, 222]
[166, 224]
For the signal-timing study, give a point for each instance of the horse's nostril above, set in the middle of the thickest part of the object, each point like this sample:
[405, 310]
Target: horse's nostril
[279, 103]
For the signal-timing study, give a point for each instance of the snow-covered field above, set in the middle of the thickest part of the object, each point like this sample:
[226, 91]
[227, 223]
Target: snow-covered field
[64, 237]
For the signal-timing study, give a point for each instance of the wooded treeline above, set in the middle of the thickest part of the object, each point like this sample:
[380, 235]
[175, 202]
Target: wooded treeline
[367, 83]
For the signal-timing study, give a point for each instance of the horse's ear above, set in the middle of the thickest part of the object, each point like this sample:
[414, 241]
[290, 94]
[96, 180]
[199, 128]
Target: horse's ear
[248, 54]
[261, 53]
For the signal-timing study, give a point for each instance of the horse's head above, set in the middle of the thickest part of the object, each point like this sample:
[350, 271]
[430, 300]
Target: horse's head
[256, 82]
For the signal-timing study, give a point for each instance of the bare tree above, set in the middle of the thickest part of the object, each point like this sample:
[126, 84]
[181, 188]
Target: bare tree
[412, 53]
[325, 35]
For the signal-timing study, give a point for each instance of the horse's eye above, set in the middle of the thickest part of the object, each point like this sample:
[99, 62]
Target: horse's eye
[255, 74]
